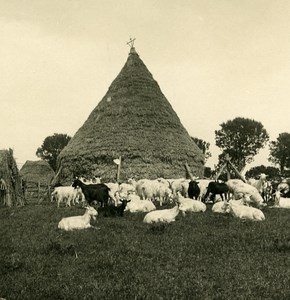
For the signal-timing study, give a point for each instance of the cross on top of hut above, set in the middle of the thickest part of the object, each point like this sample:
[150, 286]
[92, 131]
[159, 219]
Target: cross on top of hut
[131, 42]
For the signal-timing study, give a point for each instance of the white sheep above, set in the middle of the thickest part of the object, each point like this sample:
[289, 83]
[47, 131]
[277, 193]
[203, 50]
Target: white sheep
[245, 212]
[162, 216]
[203, 184]
[281, 202]
[190, 205]
[78, 222]
[66, 194]
[138, 205]
[258, 184]
[239, 188]
[180, 184]
[114, 191]
[219, 207]
[157, 189]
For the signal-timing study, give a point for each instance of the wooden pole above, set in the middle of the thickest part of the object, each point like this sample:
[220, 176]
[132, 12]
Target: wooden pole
[237, 172]
[119, 169]
[188, 171]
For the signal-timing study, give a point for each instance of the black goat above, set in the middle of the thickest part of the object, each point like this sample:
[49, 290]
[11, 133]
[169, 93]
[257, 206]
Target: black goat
[94, 192]
[216, 188]
[193, 189]
[115, 211]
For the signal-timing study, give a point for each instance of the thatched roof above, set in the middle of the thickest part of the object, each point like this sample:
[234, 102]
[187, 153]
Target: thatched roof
[37, 171]
[10, 182]
[134, 120]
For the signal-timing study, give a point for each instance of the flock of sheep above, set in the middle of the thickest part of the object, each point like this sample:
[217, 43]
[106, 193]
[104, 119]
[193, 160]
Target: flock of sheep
[241, 199]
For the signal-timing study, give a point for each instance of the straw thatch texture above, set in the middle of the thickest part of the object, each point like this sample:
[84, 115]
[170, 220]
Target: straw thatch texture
[10, 185]
[134, 120]
[37, 171]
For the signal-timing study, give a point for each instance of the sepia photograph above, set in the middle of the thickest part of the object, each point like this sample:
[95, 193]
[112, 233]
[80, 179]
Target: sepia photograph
[144, 149]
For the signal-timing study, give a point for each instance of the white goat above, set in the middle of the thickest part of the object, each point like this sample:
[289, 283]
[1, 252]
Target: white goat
[78, 222]
[190, 205]
[260, 183]
[162, 216]
[66, 194]
[138, 205]
[180, 184]
[158, 189]
[281, 202]
[219, 207]
[114, 191]
[239, 188]
[245, 212]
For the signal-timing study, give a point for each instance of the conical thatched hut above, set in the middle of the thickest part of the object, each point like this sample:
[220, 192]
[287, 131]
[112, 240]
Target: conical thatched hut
[134, 120]
[10, 183]
[37, 171]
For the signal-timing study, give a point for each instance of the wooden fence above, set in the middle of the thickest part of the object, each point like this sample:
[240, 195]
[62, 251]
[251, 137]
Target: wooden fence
[36, 192]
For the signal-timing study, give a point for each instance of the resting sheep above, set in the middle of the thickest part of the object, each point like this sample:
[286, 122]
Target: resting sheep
[280, 201]
[78, 222]
[162, 216]
[116, 211]
[190, 205]
[244, 212]
[138, 205]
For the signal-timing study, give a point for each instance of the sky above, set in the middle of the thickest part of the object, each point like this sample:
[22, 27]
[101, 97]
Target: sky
[214, 60]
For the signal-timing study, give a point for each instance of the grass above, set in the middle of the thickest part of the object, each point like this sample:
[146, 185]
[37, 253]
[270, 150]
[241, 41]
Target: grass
[200, 256]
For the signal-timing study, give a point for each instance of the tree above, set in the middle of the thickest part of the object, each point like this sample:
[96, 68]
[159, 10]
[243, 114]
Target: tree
[280, 151]
[51, 147]
[272, 173]
[242, 139]
[203, 146]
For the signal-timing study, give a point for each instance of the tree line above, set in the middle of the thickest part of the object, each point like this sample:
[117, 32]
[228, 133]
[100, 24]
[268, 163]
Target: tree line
[240, 138]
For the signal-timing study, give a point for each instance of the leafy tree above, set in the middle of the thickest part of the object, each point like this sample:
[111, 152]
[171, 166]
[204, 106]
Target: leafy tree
[272, 172]
[203, 146]
[242, 139]
[280, 151]
[51, 147]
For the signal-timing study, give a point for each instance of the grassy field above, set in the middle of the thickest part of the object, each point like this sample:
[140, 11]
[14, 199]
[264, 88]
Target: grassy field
[200, 256]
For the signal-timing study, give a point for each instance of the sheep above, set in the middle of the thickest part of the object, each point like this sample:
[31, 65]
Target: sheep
[284, 188]
[203, 184]
[238, 187]
[219, 207]
[180, 184]
[127, 187]
[258, 184]
[78, 222]
[154, 189]
[189, 205]
[244, 212]
[216, 188]
[93, 192]
[281, 202]
[138, 205]
[193, 190]
[68, 193]
[162, 216]
[114, 191]
[116, 211]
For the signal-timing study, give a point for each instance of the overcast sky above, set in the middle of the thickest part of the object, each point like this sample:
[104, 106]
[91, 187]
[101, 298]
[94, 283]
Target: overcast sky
[214, 60]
